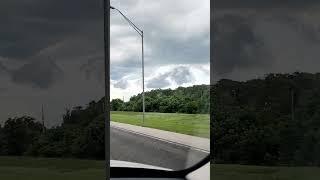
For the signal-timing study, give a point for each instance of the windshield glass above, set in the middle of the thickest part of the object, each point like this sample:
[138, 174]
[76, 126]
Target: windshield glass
[160, 79]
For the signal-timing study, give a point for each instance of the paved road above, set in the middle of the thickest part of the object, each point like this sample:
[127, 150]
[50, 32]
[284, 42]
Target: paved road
[127, 146]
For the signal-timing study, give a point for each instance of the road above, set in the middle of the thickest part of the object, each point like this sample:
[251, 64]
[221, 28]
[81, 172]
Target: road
[127, 146]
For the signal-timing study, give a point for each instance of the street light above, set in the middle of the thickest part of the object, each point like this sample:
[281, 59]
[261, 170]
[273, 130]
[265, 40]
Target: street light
[140, 32]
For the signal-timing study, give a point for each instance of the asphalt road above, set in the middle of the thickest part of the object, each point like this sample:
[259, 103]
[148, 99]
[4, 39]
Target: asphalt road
[127, 146]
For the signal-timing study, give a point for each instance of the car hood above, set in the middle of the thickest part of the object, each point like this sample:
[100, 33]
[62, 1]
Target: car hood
[116, 163]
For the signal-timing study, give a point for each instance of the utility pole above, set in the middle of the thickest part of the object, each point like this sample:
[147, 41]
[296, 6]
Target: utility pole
[42, 119]
[292, 104]
[106, 4]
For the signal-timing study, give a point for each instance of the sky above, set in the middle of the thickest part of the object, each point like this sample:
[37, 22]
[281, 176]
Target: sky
[177, 45]
[50, 55]
[51, 52]
[255, 37]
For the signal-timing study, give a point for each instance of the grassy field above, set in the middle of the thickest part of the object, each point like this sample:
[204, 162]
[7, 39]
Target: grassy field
[192, 124]
[25, 168]
[241, 172]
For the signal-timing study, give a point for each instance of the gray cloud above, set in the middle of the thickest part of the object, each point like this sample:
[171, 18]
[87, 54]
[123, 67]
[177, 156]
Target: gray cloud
[178, 75]
[181, 75]
[178, 40]
[2, 90]
[3, 69]
[94, 68]
[236, 45]
[71, 32]
[30, 26]
[249, 43]
[159, 82]
[22, 44]
[168, 50]
[40, 74]
[266, 4]
[121, 69]
[122, 84]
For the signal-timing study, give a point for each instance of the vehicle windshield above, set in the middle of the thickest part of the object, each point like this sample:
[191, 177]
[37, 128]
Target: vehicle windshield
[159, 81]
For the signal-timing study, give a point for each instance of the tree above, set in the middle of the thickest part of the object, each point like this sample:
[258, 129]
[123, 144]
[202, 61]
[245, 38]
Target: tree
[90, 143]
[193, 99]
[20, 133]
[117, 105]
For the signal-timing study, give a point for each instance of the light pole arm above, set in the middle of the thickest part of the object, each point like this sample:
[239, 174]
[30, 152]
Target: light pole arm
[139, 31]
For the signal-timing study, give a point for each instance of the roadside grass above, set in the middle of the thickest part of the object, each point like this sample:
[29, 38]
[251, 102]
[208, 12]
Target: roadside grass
[191, 124]
[242, 172]
[29, 168]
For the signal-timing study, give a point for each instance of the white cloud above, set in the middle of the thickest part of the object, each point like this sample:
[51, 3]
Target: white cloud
[167, 76]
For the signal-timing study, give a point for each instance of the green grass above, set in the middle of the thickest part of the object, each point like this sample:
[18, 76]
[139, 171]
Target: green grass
[28, 168]
[241, 172]
[191, 124]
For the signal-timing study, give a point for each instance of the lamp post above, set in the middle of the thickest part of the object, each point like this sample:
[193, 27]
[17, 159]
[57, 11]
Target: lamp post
[106, 4]
[140, 32]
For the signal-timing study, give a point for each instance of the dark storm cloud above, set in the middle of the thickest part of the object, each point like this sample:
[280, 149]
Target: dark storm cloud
[309, 31]
[178, 75]
[250, 42]
[3, 69]
[94, 68]
[40, 74]
[30, 27]
[22, 40]
[71, 10]
[236, 45]
[53, 9]
[221, 4]
[71, 32]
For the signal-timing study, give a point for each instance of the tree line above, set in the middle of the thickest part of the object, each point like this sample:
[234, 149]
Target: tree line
[274, 120]
[81, 134]
[191, 100]
[269, 121]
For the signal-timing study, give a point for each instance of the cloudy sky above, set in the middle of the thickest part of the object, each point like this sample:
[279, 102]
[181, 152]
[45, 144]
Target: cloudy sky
[177, 45]
[253, 38]
[51, 52]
